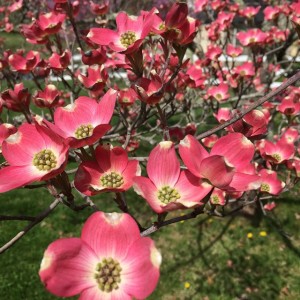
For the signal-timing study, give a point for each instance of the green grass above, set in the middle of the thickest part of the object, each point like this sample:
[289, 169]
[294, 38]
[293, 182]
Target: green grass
[213, 255]
[14, 41]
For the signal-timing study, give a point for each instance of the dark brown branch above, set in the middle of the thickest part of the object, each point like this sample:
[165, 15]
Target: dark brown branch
[199, 210]
[73, 23]
[156, 226]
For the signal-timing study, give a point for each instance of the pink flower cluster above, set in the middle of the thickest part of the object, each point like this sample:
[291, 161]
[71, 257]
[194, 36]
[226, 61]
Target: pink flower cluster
[126, 105]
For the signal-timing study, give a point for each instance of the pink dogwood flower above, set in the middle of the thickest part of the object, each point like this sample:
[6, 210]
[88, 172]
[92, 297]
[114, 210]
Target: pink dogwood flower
[270, 183]
[85, 121]
[249, 11]
[49, 97]
[213, 52]
[196, 76]
[130, 34]
[148, 89]
[111, 171]
[290, 135]
[24, 64]
[252, 37]
[278, 152]
[168, 188]
[271, 12]
[223, 114]
[253, 125]
[209, 141]
[99, 9]
[200, 5]
[95, 79]
[226, 167]
[294, 164]
[178, 27]
[289, 106]
[94, 57]
[34, 153]
[33, 33]
[217, 197]
[245, 70]
[110, 261]
[233, 51]
[270, 206]
[60, 62]
[219, 93]
[51, 22]
[15, 6]
[17, 99]
[225, 19]
[278, 36]
[127, 96]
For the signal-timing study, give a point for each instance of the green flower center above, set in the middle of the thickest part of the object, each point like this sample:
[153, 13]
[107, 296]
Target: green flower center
[265, 187]
[112, 180]
[84, 131]
[215, 199]
[108, 274]
[276, 157]
[128, 38]
[167, 194]
[45, 160]
[162, 26]
[219, 96]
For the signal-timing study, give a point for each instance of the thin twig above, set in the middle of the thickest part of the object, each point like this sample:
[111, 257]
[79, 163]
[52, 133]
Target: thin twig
[16, 218]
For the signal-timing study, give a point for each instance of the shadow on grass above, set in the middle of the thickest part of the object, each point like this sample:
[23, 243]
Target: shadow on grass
[230, 267]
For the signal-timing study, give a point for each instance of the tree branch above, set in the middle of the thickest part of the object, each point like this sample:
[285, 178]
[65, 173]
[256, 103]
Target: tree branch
[156, 226]
[16, 218]
[37, 220]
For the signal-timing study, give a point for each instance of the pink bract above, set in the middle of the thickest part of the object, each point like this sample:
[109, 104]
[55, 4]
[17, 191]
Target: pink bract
[5, 131]
[200, 5]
